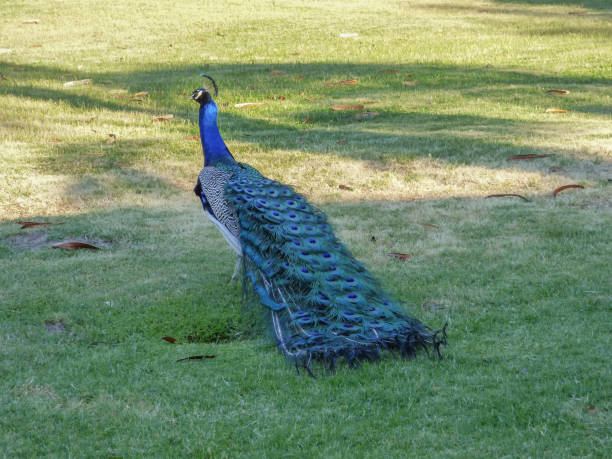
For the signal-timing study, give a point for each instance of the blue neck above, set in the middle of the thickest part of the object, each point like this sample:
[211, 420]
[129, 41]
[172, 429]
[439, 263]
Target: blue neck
[212, 143]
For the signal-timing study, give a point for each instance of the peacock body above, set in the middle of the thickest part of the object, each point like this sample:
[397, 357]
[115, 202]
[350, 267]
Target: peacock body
[322, 304]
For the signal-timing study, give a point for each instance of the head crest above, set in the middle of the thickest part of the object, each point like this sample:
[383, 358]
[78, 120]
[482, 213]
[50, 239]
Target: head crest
[213, 82]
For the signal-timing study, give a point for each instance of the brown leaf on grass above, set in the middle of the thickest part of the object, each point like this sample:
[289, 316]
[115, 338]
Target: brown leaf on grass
[483, 10]
[340, 83]
[389, 71]
[25, 225]
[565, 187]
[141, 94]
[135, 99]
[556, 110]
[75, 83]
[557, 91]
[36, 45]
[578, 13]
[112, 138]
[311, 99]
[197, 357]
[276, 98]
[31, 21]
[429, 225]
[592, 409]
[277, 72]
[170, 339]
[528, 156]
[298, 77]
[369, 102]
[54, 140]
[74, 245]
[399, 256]
[193, 137]
[306, 121]
[250, 104]
[366, 115]
[163, 118]
[339, 108]
[410, 83]
[19, 69]
[345, 187]
[508, 195]
[408, 75]
[2, 77]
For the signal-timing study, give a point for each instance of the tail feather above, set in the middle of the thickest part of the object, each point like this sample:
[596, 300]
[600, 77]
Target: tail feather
[323, 304]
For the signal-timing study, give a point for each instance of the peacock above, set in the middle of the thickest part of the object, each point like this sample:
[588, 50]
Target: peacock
[319, 301]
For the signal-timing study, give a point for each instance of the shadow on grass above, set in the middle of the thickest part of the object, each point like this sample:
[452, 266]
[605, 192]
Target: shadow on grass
[452, 138]
[592, 4]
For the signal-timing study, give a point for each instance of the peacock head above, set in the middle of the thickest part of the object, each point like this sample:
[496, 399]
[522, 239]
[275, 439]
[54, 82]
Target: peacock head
[201, 95]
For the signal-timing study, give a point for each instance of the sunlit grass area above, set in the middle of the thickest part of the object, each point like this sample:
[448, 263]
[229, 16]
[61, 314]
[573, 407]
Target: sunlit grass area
[447, 93]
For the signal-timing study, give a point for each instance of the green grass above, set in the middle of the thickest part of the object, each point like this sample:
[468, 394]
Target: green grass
[524, 286]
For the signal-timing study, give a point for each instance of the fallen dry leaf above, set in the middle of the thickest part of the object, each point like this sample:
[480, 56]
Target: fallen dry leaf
[170, 339]
[277, 72]
[163, 118]
[556, 110]
[298, 77]
[55, 140]
[276, 98]
[193, 137]
[306, 121]
[31, 21]
[504, 195]
[311, 99]
[564, 187]
[75, 83]
[2, 77]
[74, 245]
[197, 357]
[528, 156]
[141, 94]
[347, 107]
[19, 69]
[408, 75]
[369, 102]
[578, 13]
[340, 83]
[135, 99]
[366, 115]
[250, 104]
[345, 187]
[25, 225]
[592, 409]
[410, 83]
[112, 138]
[557, 91]
[399, 256]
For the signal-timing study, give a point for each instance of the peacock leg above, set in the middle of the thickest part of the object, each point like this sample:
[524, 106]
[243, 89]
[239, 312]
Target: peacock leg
[236, 269]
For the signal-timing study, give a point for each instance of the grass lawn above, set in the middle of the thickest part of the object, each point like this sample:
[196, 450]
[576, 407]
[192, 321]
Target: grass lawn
[454, 87]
